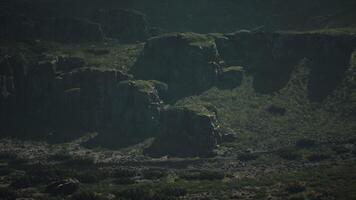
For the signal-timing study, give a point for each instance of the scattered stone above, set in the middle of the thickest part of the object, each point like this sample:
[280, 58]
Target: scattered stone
[188, 130]
[63, 187]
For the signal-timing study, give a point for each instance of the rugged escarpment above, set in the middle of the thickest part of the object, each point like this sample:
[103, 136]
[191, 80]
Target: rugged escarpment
[56, 97]
[271, 57]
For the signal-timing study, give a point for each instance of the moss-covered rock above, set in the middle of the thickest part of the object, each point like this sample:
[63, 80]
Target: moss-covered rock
[187, 62]
[186, 130]
[85, 98]
[136, 106]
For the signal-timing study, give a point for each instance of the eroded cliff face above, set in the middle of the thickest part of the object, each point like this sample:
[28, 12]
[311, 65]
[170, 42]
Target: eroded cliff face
[60, 97]
[271, 57]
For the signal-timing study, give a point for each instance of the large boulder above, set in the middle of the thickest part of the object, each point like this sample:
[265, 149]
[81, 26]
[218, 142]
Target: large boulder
[135, 114]
[84, 98]
[186, 130]
[136, 107]
[187, 62]
[125, 25]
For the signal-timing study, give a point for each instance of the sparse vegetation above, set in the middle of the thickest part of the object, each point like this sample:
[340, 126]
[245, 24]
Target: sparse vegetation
[251, 114]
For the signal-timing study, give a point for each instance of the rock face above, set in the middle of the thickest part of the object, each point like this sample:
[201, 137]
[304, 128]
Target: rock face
[189, 130]
[85, 96]
[271, 57]
[186, 62]
[37, 100]
[68, 63]
[231, 77]
[135, 114]
[136, 107]
[125, 25]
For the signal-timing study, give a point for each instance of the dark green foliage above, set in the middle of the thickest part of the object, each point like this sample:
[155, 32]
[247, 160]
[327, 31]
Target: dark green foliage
[317, 157]
[61, 156]
[288, 154]
[173, 191]
[81, 160]
[136, 193]
[97, 52]
[305, 143]
[18, 161]
[295, 187]
[340, 149]
[7, 155]
[124, 181]
[89, 176]
[86, 195]
[244, 157]
[276, 110]
[153, 174]
[5, 171]
[202, 175]
[124, 173]
[25, 182]
[7, 193]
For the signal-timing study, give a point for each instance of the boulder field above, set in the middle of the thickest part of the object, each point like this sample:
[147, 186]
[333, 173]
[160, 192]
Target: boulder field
[59, 98]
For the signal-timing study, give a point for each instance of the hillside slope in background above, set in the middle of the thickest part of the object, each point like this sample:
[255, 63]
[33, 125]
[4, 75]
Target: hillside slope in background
[195, 100]
[205, 16]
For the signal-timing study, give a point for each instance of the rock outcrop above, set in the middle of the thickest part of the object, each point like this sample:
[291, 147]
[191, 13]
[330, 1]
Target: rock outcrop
[186, 130]
[231, 77]
[271, 57]
[85, 96]
[135, 107]
[186, 62]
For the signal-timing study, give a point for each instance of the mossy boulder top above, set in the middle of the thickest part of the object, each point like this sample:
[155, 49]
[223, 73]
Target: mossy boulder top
[186, 62]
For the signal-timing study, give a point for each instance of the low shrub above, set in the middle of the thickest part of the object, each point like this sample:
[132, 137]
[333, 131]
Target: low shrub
[86, 195]
[305, 143]
[7, 194]
[202, 175]
[317, 157]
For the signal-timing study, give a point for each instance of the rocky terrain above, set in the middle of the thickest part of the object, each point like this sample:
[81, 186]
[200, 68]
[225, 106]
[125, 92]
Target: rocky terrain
[105, 105]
